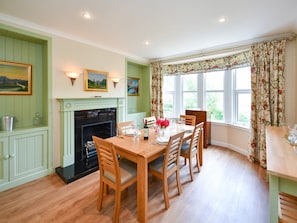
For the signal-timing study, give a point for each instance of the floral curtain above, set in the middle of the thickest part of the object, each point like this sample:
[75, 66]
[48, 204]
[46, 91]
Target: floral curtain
[268, 98]
[224, 63]
[157, 100]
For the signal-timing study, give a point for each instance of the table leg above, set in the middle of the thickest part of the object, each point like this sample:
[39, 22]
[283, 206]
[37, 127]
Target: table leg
[142, 189]
[273, 198]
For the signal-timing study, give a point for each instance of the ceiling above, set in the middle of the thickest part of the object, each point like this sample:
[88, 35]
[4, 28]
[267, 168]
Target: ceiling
[172, 27]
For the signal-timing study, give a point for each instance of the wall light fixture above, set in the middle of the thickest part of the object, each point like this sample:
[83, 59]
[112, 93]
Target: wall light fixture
[115, 81]
[73, 76]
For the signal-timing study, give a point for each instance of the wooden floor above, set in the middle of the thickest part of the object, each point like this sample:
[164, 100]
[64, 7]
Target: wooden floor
[228, 189]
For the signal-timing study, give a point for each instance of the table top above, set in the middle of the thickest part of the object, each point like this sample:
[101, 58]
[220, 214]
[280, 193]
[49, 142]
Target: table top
[147, 148]
[281, 159]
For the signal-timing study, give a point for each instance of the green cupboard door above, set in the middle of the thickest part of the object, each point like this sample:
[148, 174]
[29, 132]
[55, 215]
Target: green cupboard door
[4, 160]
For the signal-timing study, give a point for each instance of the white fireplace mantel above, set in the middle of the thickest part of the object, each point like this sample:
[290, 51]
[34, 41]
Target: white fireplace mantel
[67, 108]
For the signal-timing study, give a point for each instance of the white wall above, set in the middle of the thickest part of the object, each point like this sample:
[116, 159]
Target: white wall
[68, 55]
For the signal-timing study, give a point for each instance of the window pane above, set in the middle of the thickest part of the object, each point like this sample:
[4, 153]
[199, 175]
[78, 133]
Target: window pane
[168, 104]
[244, 108]
[190, 82]
[243, 78]
[215, 105]
[214, 80]
[190, 100]
[168, 83]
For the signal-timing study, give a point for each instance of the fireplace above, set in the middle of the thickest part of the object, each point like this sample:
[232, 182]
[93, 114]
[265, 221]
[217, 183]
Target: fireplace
[98, 122]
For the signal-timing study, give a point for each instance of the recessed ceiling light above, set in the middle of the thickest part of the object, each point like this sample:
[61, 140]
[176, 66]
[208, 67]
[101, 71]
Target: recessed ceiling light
[147, 43]
[222, 19]
[86, 15]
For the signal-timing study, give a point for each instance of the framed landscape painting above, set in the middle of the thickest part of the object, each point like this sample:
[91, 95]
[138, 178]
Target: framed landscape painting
[95, 80]
[15, 78]
[133, 86]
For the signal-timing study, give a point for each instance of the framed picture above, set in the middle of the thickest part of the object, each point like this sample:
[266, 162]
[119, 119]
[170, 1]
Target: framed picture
[133, 86]
[95, 80]
[15, 78]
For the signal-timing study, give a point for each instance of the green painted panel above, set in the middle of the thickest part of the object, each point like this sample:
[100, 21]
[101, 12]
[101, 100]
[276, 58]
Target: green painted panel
[139, 103]
[24, 107]
[3, 160]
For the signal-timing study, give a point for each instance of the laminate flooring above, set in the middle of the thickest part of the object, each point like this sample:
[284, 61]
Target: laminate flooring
[228, 189]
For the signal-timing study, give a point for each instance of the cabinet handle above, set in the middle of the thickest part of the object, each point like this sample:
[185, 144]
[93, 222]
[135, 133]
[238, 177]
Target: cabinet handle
[12, 155]
[6, 157]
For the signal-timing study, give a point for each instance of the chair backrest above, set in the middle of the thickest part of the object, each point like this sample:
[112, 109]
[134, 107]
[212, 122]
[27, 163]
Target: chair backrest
[108, 160]
[123, 126]
[172, 152]
[189, 119]
[151, 121]
[196, 136]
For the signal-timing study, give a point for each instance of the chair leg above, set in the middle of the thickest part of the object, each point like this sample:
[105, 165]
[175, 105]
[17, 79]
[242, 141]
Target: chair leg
[197, 162]
[191, 168]
[117, 206]
[178, 181]
[100, 195]
[165, 192]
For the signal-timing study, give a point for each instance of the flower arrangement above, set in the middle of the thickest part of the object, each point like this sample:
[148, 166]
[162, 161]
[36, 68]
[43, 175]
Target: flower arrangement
[162, 123]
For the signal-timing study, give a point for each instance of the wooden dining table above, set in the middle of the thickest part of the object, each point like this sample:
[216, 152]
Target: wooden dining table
[142, 152]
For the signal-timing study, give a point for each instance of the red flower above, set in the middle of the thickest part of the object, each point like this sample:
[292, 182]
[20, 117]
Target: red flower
[163, 123]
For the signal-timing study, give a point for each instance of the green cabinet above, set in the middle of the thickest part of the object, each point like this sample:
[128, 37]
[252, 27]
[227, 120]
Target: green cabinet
[23, 156]
[137, 118]
[4, 157]
[26, 152]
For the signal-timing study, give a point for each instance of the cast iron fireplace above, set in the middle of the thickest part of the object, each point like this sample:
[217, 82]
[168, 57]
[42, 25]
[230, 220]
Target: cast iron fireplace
[98, 122]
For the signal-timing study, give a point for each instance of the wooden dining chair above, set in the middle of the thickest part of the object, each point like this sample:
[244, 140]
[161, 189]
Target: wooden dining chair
[123, 126]
[151, 121]
[191, 148]
[168, 164]
[114, 173]
[189, 119]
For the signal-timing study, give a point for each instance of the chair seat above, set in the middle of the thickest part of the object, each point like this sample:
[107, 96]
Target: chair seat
[157, 165]
[185, 148]
[128, 170]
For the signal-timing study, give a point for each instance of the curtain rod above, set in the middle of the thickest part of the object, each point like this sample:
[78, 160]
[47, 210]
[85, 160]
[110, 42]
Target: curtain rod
[224, 50]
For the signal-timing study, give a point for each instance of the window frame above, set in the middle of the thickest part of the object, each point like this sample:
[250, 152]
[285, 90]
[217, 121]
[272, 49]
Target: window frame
[230, 107]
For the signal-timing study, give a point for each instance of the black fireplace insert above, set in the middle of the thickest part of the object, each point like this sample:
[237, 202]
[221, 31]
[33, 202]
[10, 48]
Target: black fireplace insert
[98, 122]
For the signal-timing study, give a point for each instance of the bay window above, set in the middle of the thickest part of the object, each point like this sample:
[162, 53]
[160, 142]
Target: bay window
[226, 95]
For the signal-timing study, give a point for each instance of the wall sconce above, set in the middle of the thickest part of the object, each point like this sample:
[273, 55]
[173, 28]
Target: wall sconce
[73, 76]
[115, 81]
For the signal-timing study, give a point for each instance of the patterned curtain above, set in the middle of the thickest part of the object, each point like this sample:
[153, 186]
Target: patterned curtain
[157, 99]
[224, 63]
[268, 98]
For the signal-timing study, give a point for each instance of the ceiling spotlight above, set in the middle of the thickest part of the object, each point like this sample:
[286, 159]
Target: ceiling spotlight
[86, 15]
[222, 19]
[147, 43]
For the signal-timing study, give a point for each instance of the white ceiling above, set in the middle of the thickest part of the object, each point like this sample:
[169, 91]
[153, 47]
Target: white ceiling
[173, 27]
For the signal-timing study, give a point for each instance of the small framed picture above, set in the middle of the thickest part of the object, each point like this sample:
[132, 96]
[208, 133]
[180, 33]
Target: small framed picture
[95, 80]
[133, 86]
[15, 78]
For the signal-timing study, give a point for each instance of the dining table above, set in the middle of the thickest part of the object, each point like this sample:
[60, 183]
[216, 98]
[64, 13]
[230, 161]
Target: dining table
[141, 151]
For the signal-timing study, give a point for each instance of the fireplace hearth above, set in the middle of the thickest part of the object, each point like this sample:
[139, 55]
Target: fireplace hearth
[98, 122]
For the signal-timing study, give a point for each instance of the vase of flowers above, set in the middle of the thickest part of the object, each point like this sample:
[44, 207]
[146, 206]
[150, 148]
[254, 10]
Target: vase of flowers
[162, 125]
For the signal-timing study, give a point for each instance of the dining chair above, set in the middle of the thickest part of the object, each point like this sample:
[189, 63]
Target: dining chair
[123, 126]
[151, 121]
[114, 173]
[168, 164]
[191, 148]
[189, 119]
